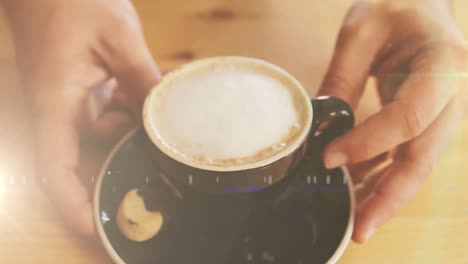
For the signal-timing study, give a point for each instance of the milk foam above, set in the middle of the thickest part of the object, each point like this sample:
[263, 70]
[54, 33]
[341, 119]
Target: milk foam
[226, 116]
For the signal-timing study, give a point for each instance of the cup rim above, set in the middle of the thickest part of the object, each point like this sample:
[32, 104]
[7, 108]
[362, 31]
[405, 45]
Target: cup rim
[148, 123]
[103, 238]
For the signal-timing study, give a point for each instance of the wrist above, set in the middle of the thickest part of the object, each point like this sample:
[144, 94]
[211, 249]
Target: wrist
[13, 8]
[20, 13]
[10, 5]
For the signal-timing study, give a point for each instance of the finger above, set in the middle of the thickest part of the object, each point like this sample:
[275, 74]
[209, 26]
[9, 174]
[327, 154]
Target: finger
[392, 70]
[360, 171]
[130, 61]
[101, 96]
[353, 57]
[113, 125]
[418, 102]
[110, 117]
[57, 159]
[367, 185]
[58, 92]
[407, 174]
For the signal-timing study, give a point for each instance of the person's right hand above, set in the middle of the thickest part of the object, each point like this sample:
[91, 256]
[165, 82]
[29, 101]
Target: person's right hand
[418, 57]
[68, 51]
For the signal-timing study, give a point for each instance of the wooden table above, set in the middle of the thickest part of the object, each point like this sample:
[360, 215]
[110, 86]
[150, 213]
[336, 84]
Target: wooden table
[298, 35]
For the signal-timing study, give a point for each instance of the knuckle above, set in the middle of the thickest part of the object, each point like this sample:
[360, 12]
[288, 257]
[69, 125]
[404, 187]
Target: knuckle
[348, 30]
[351, 24]
[357, 34]
[124, 19]
[358, 28]
[414, 122]
[360, 20]
[340, 83]
[400, 9]
[119, 31]
[411, 155]
[129, 26]
[417, 162]
[382, 194]
[438, 55]
[423, 172]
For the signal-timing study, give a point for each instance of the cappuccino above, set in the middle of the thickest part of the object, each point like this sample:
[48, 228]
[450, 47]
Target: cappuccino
[227, 114]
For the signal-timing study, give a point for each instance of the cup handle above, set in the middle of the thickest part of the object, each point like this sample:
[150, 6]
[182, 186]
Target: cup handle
[332, 118]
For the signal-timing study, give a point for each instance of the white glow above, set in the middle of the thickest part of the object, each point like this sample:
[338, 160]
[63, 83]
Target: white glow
[3, 184]
[3, 189]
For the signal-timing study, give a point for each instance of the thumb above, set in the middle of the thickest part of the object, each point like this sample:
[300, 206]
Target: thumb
[57, 157]
[131, 63]
[356, 48]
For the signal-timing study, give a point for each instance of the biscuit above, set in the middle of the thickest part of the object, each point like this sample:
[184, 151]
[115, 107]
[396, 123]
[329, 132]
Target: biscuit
[134, 220]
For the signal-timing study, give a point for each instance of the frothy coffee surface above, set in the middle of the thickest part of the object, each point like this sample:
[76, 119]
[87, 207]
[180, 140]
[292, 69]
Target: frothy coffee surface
[227, 114]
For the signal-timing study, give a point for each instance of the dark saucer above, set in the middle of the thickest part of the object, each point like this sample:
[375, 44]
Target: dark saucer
[306, 218]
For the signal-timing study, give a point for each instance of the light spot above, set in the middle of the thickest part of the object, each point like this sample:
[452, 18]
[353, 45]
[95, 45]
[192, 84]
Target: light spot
[268, 257]
[104, 217]
[3, 190]
[190, 179]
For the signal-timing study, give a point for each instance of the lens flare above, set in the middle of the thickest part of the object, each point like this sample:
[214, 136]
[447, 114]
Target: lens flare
[3, 190]
[3, 187]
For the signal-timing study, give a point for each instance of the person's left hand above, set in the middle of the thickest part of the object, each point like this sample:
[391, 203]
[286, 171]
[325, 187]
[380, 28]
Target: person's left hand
[420, 60]
[86, 70]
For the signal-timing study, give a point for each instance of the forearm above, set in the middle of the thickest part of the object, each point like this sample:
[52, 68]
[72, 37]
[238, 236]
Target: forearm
[24, 15]
[17, 11]
[12, 7]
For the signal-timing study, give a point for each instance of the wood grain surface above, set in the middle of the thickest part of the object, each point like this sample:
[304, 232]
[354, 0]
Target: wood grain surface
[297, 35]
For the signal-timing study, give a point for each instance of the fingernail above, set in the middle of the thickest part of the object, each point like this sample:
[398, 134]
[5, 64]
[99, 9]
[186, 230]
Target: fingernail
[369, 233]
[335, 160]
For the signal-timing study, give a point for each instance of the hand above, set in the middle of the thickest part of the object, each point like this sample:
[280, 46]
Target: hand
[420, 61]
[70, 54]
